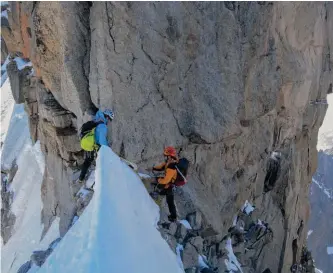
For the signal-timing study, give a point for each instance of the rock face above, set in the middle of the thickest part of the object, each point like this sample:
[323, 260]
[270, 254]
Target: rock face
[230, 83]
[7, 217]
[4, 51]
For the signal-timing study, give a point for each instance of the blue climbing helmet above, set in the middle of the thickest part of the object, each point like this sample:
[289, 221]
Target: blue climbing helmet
[109, 113]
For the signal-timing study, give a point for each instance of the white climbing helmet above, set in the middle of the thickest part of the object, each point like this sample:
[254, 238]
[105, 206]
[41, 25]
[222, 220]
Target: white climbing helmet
[109, 113]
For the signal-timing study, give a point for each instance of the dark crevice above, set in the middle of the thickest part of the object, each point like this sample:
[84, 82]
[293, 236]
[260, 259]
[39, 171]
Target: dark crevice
[195, 154]
[276, 135]
[168, 105]
[148, 56]
[114, 71]
[239, 173]
[281, 262]
[122, 150]
[308, 166]
[142, 153]
[300, 228]
[294, 248]
[245, 122]
[34, 5]
[111, 25]
[55, 212]
[196, 139]
[145, 104]
[172, 29]
[272, 174]
[29, 32]
[40, 45]
[230, 5]
[85, 60]
[187, 71]
[329, 90]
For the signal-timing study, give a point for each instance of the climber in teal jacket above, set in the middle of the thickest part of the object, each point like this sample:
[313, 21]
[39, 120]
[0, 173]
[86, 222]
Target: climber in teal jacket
[101, 132]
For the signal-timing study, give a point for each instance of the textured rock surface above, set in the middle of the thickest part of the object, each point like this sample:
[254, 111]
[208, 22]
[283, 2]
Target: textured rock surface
[19, 81]
[190, 256]
[4, 50]
[228, 82]
[7, 217]
[39, 257]
[25, 267]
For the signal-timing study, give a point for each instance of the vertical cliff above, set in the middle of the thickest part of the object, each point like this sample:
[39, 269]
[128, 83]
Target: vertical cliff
[232, 84]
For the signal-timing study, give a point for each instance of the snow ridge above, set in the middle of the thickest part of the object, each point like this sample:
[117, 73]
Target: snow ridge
[117, 231]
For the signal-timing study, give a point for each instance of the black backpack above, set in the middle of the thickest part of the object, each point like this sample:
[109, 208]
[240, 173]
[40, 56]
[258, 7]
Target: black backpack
[87, 127]
[182, 169]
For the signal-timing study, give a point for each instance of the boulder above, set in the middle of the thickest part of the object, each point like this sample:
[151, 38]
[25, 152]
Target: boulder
[172, 228]
[208, 232]
[40, 256]
[195, 220]
[190, 256]
[16, 81]
[181, 232]
[197, 242]
[172, 242]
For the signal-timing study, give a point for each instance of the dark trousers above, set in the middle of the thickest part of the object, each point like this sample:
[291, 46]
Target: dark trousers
[88, 159]
[170, 201]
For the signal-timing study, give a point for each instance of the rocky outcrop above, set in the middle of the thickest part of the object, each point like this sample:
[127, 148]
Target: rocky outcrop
[4, 51]
[25, 267]
[19, 81]
[244, 243]
[7, 217]
[38, 257]
[230, 83]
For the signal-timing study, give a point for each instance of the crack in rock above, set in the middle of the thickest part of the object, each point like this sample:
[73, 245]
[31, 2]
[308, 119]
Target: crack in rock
[111, 25]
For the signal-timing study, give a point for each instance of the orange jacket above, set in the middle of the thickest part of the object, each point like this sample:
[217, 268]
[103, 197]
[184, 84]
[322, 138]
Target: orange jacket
[170, 173]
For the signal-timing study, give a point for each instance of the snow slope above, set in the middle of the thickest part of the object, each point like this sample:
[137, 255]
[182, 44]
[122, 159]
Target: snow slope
[7, 105]
[17, 137]
[117, 231]
[26, 186]
[27, 207]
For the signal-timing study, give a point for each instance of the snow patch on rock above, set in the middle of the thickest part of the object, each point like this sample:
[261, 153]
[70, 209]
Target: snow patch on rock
[186, 224]
[325, 190]
[330, 250]
[232, 263]
[247, 208]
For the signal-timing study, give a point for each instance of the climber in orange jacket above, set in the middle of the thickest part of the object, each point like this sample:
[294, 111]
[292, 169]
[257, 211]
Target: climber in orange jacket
[165, 184]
